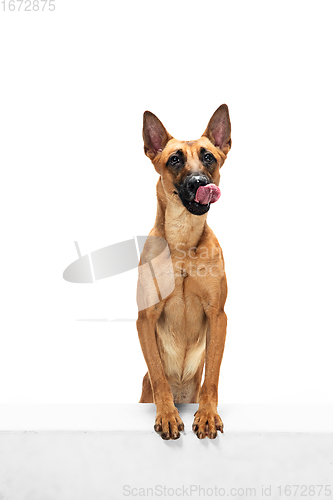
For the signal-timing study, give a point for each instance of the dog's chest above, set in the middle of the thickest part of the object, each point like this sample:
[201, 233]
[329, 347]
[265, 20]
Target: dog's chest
[181, 331]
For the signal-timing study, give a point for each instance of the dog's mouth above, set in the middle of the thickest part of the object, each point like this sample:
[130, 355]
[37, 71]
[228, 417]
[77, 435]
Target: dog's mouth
[198, 202]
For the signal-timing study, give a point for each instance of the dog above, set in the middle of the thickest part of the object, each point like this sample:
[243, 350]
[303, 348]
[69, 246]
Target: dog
[187, 329]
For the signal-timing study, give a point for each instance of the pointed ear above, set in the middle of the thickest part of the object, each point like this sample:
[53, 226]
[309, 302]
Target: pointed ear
[218, 129]
[154, 134]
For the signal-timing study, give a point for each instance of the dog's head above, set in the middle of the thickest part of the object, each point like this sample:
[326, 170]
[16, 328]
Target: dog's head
[189, 169]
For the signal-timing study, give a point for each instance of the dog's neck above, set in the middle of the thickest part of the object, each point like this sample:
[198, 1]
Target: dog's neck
[176, 223]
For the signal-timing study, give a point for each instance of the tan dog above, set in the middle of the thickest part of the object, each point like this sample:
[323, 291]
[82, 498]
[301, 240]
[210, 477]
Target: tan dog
[187, 329]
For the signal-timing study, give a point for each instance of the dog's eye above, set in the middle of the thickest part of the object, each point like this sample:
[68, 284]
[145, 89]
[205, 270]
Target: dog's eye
[208, 158]
[174, 160]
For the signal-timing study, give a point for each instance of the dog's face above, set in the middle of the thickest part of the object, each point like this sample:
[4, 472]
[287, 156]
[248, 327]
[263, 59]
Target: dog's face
[186, 166]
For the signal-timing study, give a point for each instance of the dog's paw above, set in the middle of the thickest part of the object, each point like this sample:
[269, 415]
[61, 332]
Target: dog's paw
[169, 424]
[206, 423]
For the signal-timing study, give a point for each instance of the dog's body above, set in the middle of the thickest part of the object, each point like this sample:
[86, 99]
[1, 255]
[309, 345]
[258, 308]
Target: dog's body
[187, 328]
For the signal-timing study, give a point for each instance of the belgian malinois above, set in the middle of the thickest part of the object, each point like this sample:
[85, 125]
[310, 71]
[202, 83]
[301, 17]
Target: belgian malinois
[186, 330]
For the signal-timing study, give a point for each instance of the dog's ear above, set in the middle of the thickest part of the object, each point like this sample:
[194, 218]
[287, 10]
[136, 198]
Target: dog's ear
[154, 134]
[218, 129]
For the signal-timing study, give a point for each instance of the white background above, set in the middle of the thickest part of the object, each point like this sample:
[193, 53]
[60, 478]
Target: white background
[74, 84]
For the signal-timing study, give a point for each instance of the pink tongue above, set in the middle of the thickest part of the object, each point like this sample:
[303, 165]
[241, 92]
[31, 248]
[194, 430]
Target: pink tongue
[207, 194]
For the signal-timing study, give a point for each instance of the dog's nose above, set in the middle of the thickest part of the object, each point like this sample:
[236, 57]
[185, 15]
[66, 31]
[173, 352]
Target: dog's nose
[193, 183]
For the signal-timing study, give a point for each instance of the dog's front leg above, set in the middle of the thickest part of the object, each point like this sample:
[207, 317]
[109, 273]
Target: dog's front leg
[207, 421]
[167, 421]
